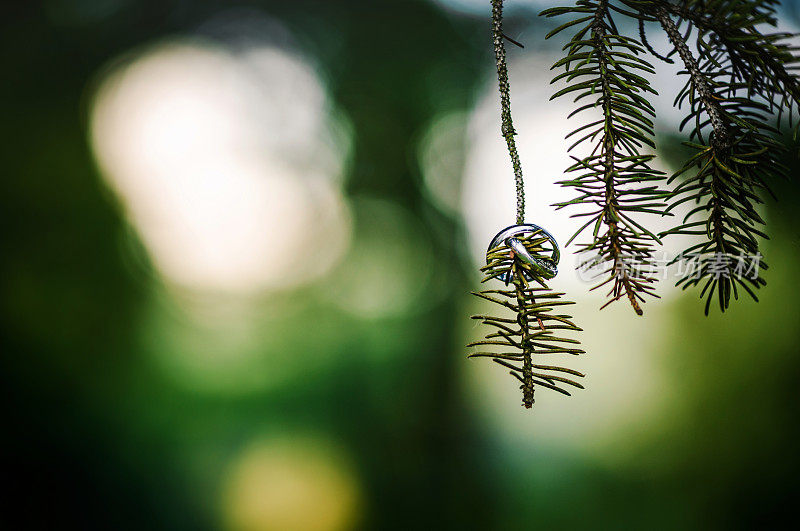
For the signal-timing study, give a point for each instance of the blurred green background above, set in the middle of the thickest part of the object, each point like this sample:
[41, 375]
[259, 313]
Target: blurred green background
[240, 238]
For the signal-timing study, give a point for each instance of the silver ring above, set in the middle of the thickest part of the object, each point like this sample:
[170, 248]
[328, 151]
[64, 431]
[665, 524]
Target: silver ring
[545, 267]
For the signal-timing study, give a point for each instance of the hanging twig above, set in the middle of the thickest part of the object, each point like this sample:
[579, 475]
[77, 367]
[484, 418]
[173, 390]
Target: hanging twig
[507, 127]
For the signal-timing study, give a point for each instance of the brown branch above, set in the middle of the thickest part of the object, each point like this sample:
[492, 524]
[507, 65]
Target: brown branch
[525, 342]
[726, 32]
[507, 127]
[721, 138]
[609, 142]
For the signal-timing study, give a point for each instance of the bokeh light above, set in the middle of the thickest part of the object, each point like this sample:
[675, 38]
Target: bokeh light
[225, 163]
[441, 156]
[297, 484]
[390, 269]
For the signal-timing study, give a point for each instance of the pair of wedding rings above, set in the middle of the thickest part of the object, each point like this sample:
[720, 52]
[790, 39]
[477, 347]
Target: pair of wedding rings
[530, 265]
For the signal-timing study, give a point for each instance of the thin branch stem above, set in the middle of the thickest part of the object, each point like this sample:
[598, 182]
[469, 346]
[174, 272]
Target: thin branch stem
[525, 342]
[507, 127]
[609, 166]
[723, 31]
[720, 138]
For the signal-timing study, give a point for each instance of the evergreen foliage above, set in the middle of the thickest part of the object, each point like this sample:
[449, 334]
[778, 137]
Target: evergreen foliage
[523, 255]
[740, 85]
[532, 330]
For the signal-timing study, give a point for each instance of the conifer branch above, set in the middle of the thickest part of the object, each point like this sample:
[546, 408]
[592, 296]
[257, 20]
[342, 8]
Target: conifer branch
[507, 125]
[517, 342]
[741, 82]
[603, 61]
[726, 178]
[771, 61]
[698, 80]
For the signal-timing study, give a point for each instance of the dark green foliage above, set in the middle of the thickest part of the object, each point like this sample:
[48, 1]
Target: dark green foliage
[519, 340]
[519, 260]
[603, 72]
[736, 151]
[740, 82]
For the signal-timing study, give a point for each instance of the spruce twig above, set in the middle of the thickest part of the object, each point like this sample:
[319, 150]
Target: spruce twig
[505, 103]
[599, 67]
[534, 331]
[741, 83]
